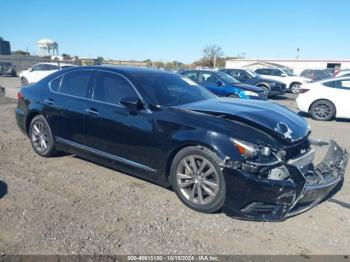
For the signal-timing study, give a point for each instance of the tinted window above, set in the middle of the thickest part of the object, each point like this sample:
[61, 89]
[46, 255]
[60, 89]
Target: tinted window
[171, 89]
[55, 84]
[191, 75]
[209, 78]
[44, 67]
[338, 84]
[276, 72]
[111, 88]
[76, 83]
[263, 71]
[227, 78]
[345, 84]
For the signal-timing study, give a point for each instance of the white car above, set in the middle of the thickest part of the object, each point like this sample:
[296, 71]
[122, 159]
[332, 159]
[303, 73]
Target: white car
[326, 99]
[292, 82]
[345, 72]
[39, 71]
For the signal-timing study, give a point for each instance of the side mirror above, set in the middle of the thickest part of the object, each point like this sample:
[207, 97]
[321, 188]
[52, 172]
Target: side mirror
[219, 83]
[283, 74]
[30, 69]
[132, 103]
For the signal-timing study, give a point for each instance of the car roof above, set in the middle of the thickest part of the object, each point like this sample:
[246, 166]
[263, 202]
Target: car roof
[201, 70]
[334, 79]
[123, 69]
[54, 63]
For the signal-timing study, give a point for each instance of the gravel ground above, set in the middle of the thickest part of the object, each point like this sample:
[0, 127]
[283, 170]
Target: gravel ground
[65, 205]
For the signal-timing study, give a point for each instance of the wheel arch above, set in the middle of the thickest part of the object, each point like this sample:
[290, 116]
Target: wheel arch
[294, 82]
[263, 84]
[29, 119]
[186, 144]
[326, 99]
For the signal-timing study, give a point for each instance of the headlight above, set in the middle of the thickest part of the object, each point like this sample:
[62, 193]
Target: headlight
[249, 150]
[249, 93]
[246, 149]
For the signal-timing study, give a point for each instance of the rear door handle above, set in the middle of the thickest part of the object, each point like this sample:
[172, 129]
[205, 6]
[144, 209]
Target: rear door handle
[92, 111]
[49, 101]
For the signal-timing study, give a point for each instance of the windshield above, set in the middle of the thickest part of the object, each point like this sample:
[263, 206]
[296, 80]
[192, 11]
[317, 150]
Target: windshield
[252, 73]
[171, 89]
[227, 78]
[289, 72]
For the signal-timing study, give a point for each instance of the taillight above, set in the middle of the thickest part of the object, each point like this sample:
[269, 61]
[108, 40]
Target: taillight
[303, 90]
[19, 96]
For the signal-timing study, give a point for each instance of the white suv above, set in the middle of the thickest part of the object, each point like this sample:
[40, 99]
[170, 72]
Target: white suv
[39, 71]
[285, 76]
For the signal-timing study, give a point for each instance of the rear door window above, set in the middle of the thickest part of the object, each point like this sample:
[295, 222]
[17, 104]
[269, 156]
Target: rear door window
[76, 83]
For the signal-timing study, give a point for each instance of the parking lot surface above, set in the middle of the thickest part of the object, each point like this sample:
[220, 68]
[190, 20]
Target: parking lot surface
[66, 205]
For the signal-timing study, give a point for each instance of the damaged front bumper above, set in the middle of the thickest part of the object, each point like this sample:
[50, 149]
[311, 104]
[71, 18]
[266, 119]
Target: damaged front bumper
[254, 197]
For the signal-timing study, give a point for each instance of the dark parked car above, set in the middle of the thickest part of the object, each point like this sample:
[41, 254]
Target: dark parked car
[272, 87]
[7, 69]
[222, 84]
[250, 158]
[316, 74]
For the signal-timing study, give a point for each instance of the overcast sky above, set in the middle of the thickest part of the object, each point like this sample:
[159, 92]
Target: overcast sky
[179, 29]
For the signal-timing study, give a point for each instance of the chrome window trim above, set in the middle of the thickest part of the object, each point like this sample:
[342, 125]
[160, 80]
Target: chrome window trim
[64, 94]
[104, 154]
[147, 110]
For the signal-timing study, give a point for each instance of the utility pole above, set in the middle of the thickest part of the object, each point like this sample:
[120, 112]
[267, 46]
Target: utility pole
[298, 50]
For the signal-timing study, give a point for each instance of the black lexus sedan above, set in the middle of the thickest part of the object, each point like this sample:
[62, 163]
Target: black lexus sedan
[250, 158]
[272, 87]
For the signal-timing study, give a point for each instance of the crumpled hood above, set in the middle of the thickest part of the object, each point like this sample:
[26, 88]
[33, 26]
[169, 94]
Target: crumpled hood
[248, 87]
[273, 118]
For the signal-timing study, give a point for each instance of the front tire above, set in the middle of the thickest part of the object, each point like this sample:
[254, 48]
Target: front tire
[197, 179]
[41, 137]
[322, 110]
[295, 88]
[266, 90]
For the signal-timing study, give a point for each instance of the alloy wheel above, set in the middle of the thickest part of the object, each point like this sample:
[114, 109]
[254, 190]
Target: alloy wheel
[40, 136]
[295, 88]
[197, 180]
[322, 111]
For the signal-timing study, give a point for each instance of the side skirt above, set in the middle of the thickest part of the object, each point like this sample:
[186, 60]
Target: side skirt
[105, 159]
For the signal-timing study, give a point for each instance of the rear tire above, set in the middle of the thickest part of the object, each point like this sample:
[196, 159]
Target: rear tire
[322, 110]
[197, 179]
[41, 137]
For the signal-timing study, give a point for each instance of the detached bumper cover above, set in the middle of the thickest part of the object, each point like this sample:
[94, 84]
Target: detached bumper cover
[254, 198]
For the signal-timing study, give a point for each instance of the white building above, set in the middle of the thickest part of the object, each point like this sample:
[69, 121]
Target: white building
[298, 65]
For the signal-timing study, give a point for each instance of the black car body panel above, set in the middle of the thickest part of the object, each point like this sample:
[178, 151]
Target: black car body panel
[144, 142]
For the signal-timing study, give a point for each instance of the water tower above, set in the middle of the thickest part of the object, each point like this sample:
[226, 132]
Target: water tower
[47, 47]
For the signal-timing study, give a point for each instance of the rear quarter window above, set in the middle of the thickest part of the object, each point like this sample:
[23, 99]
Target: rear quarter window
[55, 84]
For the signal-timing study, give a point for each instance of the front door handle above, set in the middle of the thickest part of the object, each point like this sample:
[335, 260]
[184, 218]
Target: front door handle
[49, 101]
[92, 111]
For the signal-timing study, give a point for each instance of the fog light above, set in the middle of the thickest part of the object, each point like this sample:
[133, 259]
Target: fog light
[265, 151]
